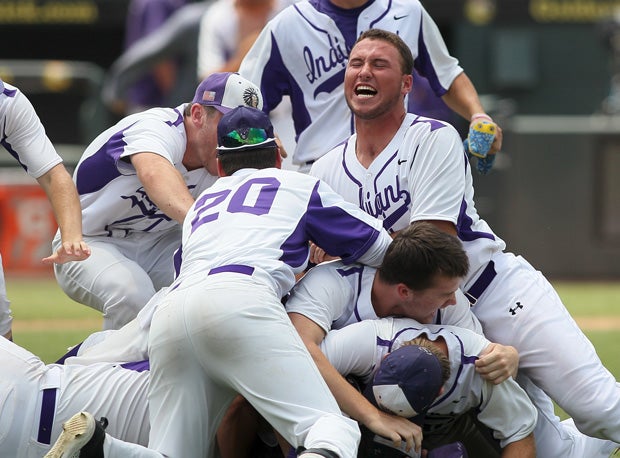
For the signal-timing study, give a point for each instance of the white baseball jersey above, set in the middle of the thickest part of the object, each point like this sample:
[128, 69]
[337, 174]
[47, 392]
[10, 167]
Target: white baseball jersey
[35, 399]
[278, 211]
[114, 202]
[424, 174]
[303, 53]
[334, 295]
[504, 408]
[23, 136]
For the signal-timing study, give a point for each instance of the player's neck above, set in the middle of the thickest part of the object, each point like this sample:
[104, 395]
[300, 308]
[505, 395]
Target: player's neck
[373, 135]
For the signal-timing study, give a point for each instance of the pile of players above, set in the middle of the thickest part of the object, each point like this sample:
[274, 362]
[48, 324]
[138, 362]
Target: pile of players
[195, 246]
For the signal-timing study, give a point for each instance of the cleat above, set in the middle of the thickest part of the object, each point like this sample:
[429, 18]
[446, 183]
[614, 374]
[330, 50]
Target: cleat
[82, 437]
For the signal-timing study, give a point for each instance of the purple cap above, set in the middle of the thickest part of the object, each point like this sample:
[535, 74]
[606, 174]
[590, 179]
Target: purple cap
[243, 129]
[407, 382]
[225, 91]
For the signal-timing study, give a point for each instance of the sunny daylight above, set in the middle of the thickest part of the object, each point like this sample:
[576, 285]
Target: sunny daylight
[310, 228]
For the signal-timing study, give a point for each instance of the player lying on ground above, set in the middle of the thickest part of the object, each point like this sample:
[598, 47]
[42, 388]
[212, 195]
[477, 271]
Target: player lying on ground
[492, 420]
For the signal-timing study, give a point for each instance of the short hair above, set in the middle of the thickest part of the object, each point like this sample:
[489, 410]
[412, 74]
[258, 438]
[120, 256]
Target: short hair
[256, 158]
[421, 252]
[444, 362]
[406, 57]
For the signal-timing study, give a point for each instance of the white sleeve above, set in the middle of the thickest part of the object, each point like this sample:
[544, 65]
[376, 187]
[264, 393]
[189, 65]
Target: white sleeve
[437, 180]
[351, 350]
[507, 411]
[322, 295]
[461, 315]
[26, 136]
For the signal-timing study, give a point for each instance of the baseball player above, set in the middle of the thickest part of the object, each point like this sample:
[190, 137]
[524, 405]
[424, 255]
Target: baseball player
[23, 136]
[302, 53]
[244, 239]
[418, 278]
[404, 168]
[504, 409]
[36, 399]
[136, 181]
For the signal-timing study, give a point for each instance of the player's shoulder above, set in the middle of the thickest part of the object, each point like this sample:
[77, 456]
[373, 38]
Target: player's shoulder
[326, 164]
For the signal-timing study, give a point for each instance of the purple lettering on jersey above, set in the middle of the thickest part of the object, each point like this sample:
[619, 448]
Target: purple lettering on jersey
[266, 195]
[204, 203]
[147, 209]
[379, 204]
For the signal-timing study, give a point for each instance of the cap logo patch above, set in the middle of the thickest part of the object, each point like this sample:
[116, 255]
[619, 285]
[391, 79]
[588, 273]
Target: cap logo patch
[250, 97]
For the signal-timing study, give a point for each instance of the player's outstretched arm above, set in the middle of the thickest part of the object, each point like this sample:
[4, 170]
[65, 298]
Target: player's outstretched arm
[351, 401]
[63, 196]
[498, 362]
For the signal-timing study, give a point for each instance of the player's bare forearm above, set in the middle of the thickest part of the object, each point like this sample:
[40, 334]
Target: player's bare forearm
[524, 448]
[63, 197]
[498, 362]
[163, 184]
[462, 97]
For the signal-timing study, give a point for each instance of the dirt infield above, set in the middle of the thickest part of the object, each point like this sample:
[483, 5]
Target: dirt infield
[600, 323]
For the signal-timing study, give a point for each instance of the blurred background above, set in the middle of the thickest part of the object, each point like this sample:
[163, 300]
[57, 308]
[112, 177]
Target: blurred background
[548, 72]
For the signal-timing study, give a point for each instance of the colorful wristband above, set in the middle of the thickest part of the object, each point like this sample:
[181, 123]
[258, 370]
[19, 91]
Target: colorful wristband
[480, 116]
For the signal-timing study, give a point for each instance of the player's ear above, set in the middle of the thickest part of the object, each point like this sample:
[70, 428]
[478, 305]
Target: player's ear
[406, 84]
[220, 169]
[278, 158]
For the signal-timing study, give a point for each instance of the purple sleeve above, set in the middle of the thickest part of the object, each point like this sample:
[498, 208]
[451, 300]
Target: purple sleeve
[338, 227]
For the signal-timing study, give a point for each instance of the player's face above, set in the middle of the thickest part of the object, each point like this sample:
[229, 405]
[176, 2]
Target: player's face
[374, 83]
[422, 305]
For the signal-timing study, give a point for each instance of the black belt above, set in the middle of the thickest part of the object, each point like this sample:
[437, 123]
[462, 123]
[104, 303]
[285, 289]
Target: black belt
[235, 268]
[46, 420]
[481, 283]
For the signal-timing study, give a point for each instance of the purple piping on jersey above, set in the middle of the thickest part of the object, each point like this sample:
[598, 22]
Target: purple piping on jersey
[8, 92]
[423, 65]
[337, 231]
[359, 270]
[464, 229]
[232, 268]
[434, 123]
[464, 360]
[295, 247]
[277, 81]
[10, 149]
[46, 419]
[178, 121]
[138, 366]
[99, 169]
[389, 7]
[384, 343]
[178, 259]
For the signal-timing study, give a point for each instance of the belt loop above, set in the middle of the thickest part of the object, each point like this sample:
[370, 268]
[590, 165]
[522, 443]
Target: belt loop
[46, 419]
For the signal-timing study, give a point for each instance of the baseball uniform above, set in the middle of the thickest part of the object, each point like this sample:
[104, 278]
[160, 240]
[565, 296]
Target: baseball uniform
[131, 239]
[35, 399]
[334, 295]
[505, 408]
[303, 53]
[423, 174]
[23, 136]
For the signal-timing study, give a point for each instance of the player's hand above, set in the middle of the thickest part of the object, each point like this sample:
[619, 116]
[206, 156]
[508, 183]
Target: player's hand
[76, 251]
[318, 255]
[498, 362]
[397, 429]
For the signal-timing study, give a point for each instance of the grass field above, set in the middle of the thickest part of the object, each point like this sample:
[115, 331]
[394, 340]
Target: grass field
[47, 322]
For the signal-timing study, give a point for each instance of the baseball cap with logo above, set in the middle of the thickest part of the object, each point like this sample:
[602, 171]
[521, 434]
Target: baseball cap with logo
[243, 129]
[407, 382]
[227, 90]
